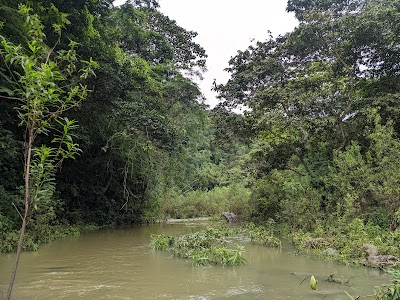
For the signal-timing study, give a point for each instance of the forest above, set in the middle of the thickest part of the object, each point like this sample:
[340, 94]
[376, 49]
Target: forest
[102, 123]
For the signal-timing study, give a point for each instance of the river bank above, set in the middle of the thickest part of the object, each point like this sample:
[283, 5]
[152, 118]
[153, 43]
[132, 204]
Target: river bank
[345, 244]
[33, 239]
[355, 243]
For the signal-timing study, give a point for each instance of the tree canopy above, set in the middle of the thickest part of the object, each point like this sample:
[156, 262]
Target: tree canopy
[313, 93]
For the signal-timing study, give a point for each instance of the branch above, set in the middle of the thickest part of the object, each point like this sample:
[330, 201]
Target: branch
[9, 70]
[297, 172]
[60, 110]
[11, 98]
[17, 211]
[52, 49]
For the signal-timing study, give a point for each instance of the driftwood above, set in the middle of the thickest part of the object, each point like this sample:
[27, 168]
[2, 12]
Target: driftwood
[317, 243]
[382, 261]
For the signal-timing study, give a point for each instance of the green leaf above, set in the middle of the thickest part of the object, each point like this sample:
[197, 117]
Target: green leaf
[6, 90]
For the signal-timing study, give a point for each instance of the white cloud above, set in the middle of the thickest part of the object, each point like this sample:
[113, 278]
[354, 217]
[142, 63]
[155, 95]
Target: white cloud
[226, 26]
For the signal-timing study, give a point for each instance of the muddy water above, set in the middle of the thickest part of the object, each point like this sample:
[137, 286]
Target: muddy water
[118, 264]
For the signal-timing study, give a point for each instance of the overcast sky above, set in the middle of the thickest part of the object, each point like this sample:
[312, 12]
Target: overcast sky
[226, 26]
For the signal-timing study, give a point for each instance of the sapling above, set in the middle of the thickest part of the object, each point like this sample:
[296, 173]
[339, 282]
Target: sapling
[44, 83]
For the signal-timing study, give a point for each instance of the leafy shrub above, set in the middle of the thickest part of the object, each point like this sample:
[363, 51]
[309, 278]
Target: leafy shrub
[161, 242]
[286, 197]
[233, 198]
[348, 239]
[366, 183]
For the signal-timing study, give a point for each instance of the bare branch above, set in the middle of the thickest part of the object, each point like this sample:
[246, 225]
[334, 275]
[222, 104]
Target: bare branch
[11, 98]
[22, 218]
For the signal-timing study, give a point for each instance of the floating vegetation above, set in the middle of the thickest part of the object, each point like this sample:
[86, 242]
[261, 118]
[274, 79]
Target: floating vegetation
[203, 247]
[213, 245]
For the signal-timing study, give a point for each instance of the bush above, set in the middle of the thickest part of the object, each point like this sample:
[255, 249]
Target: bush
[37, 236]
[348, 239]
[366, 183]
[286, 197]
[233, 198]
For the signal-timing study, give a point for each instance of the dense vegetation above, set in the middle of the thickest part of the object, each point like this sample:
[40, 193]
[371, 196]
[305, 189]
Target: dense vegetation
[139, 131]
[120, 133]
[323, 101]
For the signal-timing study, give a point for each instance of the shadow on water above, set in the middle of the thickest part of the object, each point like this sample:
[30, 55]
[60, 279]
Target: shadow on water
[118, 264]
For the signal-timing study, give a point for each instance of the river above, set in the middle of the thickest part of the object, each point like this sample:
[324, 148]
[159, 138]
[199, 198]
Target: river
[118, 264]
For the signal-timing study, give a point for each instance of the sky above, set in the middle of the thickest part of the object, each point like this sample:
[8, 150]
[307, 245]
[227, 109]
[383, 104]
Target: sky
[226, 26]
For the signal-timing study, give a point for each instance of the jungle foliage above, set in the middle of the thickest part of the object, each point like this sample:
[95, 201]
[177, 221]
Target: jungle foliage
[142, 136]
[323, 104]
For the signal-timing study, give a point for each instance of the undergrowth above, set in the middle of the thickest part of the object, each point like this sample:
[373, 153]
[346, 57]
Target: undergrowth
[346, 241]
[193, 204]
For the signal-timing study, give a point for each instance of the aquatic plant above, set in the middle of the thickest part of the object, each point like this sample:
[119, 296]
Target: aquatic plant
[212, 245]
[389, 291]
[161, 241]
[236, 256]
[200, 259]
[203, 247]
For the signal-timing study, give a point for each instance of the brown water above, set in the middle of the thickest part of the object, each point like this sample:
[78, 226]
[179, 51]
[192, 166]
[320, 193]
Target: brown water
[118, 264]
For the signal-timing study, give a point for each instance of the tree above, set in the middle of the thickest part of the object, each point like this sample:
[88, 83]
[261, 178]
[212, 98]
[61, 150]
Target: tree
[45, 84]
[317, 82]
[309, 93]
[142, 107]
[143, 116]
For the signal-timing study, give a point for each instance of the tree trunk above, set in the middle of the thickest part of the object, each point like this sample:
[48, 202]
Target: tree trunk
[28, 153]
